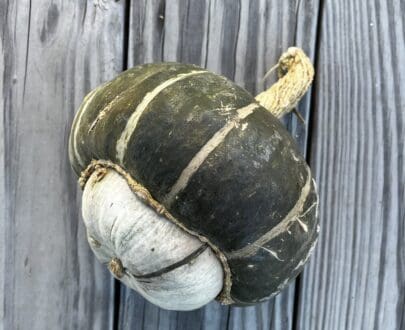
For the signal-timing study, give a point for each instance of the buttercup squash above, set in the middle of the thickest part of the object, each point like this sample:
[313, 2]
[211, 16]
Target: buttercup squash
[193, 189]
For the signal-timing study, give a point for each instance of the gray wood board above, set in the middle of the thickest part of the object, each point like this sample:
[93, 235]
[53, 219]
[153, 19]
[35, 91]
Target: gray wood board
[356, 279]
[2, 170]
[51, 54]
[241, 40]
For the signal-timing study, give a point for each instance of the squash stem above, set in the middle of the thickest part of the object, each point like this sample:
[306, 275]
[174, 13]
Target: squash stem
[295, 73]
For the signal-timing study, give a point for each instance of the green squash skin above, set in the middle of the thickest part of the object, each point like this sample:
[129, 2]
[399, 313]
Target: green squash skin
[124, 93]
[176, 126]
[257, 276]
[245, 186]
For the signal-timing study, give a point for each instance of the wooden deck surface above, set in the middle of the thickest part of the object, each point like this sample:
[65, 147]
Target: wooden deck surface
[53, 52]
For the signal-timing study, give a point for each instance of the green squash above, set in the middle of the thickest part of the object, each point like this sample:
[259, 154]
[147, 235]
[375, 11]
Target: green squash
[218, 162]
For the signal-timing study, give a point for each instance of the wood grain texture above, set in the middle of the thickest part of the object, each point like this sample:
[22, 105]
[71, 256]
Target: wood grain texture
[51, 54]
[241, 40]
[2, 167]
[356, 279]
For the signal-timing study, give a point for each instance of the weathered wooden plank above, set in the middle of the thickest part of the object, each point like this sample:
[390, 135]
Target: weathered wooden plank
[241, 40]
[278, 313]
[53, 53]
[356, 279]
[146, 23]
[2, 168]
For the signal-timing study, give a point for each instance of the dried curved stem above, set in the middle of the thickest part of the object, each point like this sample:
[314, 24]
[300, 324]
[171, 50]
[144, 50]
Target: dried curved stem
[296, 73]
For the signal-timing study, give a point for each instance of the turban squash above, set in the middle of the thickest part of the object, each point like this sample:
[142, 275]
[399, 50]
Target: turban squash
[193, 189]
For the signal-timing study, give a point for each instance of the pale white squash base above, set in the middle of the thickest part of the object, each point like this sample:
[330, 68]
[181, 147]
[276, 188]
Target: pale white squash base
[119, 225]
